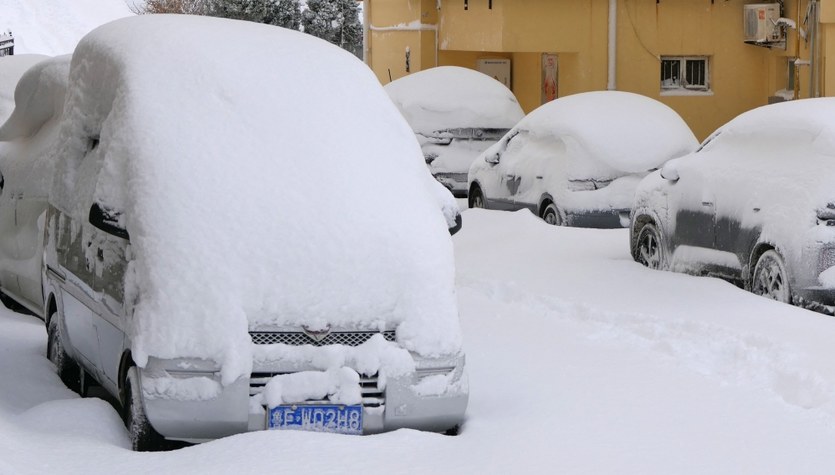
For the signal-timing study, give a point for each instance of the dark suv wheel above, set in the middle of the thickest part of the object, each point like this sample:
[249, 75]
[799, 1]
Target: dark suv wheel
[476, 198]
[770, 278]
[649, 250]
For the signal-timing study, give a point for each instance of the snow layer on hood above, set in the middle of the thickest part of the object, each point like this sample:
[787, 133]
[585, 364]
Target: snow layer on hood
[11, 70]
[268, 180]
[628, 132]
[450, 96]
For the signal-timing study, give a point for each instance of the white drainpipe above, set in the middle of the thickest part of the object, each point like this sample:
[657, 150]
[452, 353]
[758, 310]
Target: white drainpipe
[366, 32]
[613, 44]
[418, 27]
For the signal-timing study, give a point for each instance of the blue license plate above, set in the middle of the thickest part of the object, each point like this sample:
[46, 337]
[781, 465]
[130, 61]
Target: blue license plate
[318, 418]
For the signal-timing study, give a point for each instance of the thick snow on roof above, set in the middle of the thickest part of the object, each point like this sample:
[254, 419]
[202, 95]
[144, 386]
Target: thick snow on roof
[54, 27]
[450, 96]
[628, 132]
[265, 180]
[813, 118]
[11, 70]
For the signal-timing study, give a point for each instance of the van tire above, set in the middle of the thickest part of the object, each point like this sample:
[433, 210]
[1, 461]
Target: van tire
[67, 369]
[143, 437]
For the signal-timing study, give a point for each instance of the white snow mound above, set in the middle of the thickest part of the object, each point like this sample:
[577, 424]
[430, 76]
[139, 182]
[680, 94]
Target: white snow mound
[450, 96]
[628, 132]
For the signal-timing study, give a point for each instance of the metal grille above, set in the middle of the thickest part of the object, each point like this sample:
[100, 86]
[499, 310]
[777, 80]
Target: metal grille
[372, 395]
[300, 338]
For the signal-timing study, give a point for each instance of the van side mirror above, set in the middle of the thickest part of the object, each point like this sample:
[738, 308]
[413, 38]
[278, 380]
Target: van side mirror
[457, 226]
[493, 159]
[107, 220]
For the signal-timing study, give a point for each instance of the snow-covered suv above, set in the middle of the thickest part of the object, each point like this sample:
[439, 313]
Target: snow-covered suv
[222, 254]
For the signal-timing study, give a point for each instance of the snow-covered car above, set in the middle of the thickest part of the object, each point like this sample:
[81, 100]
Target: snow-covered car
[12, 69]
[576, 161]
[754, 205]
[26, 168]
[220, 265]
[456, 114]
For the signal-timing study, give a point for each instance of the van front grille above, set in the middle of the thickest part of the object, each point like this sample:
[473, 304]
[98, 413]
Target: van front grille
[301, 338]
[372, 395]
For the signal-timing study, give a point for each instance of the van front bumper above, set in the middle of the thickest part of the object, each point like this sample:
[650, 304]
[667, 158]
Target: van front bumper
[432, 398]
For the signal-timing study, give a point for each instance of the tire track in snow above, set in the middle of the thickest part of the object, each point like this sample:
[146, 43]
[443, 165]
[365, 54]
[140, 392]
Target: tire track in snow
[739, 359]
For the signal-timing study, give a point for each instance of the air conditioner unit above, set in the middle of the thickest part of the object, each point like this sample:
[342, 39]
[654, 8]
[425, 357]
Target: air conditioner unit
[761, 25]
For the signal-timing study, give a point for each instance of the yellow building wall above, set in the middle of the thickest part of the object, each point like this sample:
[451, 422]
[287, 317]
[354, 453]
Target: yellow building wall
[742, 76]
[827, 18]
[398, 25]
[478, 28]
[739, 73]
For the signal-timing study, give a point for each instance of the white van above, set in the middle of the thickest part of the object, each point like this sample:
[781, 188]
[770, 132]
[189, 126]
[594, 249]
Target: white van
[243, 235]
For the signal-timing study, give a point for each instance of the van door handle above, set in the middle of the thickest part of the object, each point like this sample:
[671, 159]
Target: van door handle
[100, 254]
[707, 203]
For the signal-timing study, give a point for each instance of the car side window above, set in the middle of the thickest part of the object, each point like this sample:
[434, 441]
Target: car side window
[76, 239]
[113, 254]
[513, 145]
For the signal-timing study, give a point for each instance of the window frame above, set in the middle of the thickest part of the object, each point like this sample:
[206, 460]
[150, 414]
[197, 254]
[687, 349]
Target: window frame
[682, 88]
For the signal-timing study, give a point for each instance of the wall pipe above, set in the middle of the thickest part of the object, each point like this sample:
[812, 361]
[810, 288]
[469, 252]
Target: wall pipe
[613, 45]
[421, 27]
[366, 32]
[796, 72]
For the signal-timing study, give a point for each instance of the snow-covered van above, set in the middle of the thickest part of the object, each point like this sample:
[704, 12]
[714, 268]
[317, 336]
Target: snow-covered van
[223, 251]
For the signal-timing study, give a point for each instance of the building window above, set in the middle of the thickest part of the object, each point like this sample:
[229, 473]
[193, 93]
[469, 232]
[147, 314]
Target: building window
[683, 74]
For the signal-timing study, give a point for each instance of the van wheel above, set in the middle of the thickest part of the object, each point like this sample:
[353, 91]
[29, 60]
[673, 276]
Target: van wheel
[143, 437]
[67, 369]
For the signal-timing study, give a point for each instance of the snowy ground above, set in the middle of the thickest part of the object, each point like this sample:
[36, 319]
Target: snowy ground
[580, 361]
[54, 27]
